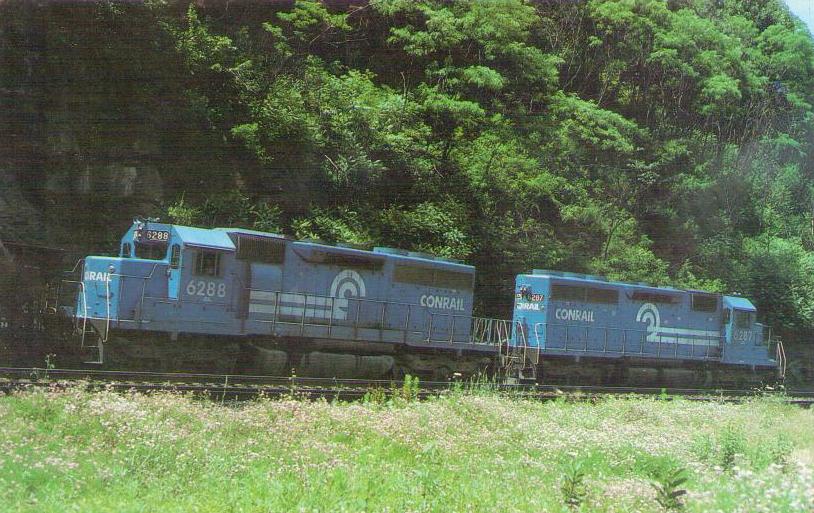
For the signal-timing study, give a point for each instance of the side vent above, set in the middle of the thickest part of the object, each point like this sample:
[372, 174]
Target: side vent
[260, 249]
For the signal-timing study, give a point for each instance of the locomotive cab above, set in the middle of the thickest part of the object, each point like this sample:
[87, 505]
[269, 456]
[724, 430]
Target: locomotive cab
[163, 274]
[746, 340]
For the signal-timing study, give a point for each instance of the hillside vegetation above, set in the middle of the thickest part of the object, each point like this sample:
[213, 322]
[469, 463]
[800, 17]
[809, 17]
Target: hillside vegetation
[469, 452]
[644, 140]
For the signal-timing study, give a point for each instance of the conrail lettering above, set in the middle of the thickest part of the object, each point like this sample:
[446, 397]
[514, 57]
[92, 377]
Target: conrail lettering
[443, 302]
[568, 314]
[100, 276]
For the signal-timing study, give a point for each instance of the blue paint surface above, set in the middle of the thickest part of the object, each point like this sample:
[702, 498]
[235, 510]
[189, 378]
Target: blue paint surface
[572, 314]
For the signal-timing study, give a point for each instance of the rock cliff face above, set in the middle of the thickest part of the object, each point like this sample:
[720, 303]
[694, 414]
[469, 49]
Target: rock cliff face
[94, 127]
[19, 219]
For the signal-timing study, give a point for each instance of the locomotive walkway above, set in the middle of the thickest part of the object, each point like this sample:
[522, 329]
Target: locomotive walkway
[234, 387]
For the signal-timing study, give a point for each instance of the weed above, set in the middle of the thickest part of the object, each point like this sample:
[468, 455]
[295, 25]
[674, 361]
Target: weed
[481, 384]
[668, 488]
[731, 444]
[409, 388]
[377, 396]
[779, 452]
[573, 484]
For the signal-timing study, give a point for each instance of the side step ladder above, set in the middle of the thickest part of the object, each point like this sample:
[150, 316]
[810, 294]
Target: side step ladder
[518, 361]
[516, 366]
[92, 341]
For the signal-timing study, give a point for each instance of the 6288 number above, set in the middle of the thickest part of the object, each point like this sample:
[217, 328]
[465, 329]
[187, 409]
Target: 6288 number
[204, 288]
[156, 236]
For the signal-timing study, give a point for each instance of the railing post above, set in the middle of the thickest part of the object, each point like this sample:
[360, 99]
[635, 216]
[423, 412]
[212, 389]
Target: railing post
[302, 319]
[407, 322]
[331, 318]
[356, 320]
[452, 330]
[384, 313]
[276, 310]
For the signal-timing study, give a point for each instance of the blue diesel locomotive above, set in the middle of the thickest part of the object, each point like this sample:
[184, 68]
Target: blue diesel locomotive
[228, 300]
[590, 321]
[182, 296]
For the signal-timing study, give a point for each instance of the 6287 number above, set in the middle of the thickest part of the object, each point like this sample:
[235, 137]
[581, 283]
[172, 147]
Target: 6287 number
[202, 288]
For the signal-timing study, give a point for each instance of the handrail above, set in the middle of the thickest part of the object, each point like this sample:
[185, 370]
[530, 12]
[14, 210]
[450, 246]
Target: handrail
[75, 267]
[780, 352]
[84, 308]
[107, 301]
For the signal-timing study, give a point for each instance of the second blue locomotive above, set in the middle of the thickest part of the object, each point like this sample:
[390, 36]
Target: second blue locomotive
[687, 336]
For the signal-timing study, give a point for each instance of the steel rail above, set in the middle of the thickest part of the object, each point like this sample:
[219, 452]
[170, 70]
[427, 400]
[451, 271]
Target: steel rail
[15, 378]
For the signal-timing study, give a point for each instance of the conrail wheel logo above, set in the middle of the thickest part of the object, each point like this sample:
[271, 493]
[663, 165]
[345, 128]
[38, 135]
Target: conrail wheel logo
[649, 314]
[347, 284]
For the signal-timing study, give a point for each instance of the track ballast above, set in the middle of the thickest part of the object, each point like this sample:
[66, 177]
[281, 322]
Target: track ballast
[226, 386]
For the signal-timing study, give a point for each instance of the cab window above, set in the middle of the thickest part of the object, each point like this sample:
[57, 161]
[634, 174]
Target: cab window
[126, 250]
[207, 263]
[743, 320]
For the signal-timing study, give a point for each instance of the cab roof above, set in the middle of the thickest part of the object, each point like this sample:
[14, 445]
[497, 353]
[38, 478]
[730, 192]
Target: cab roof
[204, 238]
[739, 303]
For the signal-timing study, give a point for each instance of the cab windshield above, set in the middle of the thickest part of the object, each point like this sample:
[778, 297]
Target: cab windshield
[152, 251]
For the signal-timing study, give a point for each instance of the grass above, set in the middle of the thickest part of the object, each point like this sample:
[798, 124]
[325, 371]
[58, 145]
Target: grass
[77, 451]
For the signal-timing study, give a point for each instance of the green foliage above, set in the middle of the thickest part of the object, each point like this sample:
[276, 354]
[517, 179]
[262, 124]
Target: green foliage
[779, 275]
[731, 444]
[375, 396]
[573, 484]
[668, 489]
[429, 227]
[230, 209]
[337, 226]
[409, 389]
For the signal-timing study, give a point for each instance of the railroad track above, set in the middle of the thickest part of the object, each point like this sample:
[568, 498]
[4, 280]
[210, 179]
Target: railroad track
[233, 386]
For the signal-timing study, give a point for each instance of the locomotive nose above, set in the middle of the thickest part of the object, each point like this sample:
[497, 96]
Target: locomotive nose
[97, 296]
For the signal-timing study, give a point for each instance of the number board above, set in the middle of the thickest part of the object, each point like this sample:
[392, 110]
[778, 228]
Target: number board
[155, 236]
